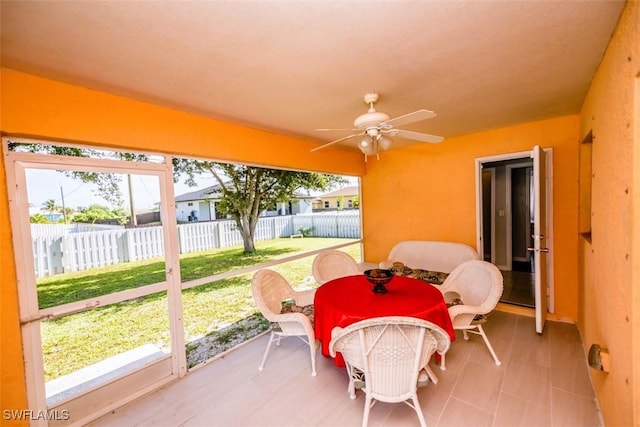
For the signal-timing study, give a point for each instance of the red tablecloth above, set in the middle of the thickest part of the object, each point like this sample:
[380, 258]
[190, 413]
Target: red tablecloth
[346, 300]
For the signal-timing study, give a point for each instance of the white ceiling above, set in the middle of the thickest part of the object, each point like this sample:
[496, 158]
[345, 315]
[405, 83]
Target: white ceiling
[292, 66]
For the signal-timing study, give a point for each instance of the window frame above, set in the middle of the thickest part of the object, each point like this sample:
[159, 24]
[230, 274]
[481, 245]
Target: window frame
[30, 315]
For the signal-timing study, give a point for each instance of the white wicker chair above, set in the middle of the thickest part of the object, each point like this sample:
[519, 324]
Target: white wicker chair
[331, 264]
[478, 285]
[390, 352]
[270, 289]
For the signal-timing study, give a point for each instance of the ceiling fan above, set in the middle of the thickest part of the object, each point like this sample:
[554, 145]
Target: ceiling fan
[377, 128]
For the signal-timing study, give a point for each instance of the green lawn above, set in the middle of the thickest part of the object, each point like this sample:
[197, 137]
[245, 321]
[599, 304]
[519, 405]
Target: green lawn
[218, 308]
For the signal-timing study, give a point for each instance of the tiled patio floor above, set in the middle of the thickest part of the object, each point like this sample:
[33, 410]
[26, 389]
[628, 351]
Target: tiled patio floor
[543, 381]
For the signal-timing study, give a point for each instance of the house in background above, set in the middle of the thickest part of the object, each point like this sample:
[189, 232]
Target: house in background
[50, 216]
[203, 205]
[344, 198]
[199, 205]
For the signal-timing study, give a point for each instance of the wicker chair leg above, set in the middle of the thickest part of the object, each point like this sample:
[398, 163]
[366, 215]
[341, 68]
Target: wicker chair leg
[312, 348]
[367, 407]
[416, 406]
[489, 346]
[432, 376]
[266, 352]
[351, 387]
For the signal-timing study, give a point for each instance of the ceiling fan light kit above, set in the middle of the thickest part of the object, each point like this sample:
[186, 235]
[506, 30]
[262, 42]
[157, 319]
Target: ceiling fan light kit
[368, 150]
[385, 142]
[376, 129]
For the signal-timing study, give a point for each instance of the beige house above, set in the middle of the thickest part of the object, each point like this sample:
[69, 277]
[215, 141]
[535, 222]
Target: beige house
[343, 198]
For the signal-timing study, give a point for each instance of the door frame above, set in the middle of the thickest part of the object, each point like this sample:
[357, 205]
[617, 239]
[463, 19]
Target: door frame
[479, 161]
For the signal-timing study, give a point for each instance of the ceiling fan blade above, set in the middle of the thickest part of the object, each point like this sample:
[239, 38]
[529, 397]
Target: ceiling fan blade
[423, 137]
[336, 141]
[416, 116]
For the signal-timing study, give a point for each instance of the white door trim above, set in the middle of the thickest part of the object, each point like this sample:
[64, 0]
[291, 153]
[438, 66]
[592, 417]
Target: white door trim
[549, 169]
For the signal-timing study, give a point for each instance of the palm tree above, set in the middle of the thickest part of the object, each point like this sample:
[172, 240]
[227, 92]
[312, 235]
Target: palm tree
[50, 206]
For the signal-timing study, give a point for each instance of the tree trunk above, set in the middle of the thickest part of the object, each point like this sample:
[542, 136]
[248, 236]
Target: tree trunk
[249, 246]
[247, 229]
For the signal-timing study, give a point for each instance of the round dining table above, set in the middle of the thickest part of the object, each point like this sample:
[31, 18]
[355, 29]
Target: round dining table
[346, 300]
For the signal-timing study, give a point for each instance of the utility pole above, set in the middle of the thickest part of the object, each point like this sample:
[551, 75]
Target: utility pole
[64, 209]
[134, 220]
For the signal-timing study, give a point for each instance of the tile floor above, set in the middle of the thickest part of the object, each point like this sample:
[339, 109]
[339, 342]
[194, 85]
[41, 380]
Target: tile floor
[543, 381]
[518, 288]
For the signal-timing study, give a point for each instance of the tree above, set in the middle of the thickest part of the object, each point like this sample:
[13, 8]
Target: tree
[68, 212]
[96, 212]
[50, 206]
[247, 191]
[38, 218]
[107, 184]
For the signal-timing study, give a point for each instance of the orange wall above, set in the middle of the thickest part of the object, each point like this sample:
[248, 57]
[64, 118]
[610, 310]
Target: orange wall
[428, 192]
[610, 285]
[12, 382]
[36, 107]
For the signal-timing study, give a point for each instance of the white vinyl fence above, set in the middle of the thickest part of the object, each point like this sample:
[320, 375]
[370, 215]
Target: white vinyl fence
[329, 225]
[63, 249]
[38, 230]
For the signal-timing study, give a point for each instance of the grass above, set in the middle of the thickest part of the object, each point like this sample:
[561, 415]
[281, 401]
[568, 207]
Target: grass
[216, 315]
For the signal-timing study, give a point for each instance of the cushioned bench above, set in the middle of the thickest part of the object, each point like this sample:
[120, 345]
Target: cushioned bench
[430, 255]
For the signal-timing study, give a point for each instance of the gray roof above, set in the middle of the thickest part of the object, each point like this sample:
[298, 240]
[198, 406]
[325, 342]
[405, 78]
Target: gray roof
[213, 193]
[208, 193]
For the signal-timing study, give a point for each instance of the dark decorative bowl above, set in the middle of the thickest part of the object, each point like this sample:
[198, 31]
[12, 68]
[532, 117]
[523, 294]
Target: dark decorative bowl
[379, 278]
